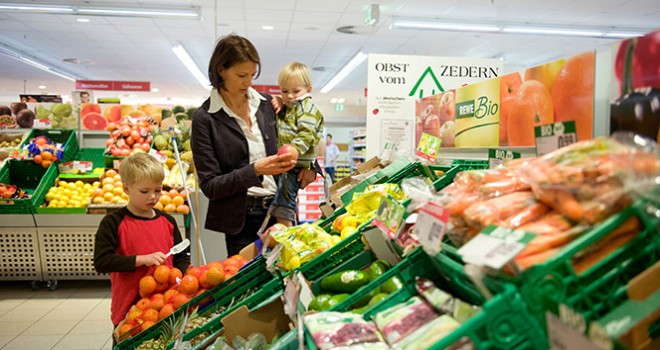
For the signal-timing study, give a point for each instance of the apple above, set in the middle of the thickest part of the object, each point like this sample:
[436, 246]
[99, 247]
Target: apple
[447, 132]
[289, 150]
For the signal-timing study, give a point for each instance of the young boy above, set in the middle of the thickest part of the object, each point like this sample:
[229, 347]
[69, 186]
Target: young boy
[132, 239]
[299, 124]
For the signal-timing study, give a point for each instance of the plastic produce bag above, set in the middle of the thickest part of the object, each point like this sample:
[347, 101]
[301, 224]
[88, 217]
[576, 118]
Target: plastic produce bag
[402, 319]
[331, 330]
[428, 334]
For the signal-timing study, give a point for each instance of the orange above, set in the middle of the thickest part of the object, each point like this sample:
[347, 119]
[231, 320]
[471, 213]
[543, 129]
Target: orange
[509, 85]
[107, 181]
[573, 94]
[177, 200]
[167, 310]
[531, 107]
[230, 271]
[46, 163]
[180, 299]
[182, 209]
[195, 271]
[143, 304]
[97, 192]
[161, 287]
[189, 285]
[38, 159]
[146, 324]
[150, 315]
[157, 301]
[545, 73]
[162, 274]
[159, 206]
[47, 156]
[174, 273]
[169, 295]
[126, 328]
[215, 275]
[170, 208]
[133, 315]
[164, 199]
[173, 193]
[147, 285]
[110, 173]
[203, 280]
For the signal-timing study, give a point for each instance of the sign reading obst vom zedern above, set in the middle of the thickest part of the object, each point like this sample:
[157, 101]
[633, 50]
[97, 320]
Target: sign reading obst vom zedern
[113, 85]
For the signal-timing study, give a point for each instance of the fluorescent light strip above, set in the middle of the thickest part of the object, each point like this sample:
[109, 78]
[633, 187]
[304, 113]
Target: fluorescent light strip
[607, 33]
[403, 24]
[192, 67]
[100, 11]
[20, 57]
[344, 72]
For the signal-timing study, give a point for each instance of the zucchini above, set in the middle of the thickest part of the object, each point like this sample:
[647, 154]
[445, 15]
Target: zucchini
[345, 282]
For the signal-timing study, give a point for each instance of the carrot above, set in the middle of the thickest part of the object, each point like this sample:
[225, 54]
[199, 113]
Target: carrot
[561, 200]
[524, 216]
[585, 263]
[487, 212]
[499, 188]
[544, 242]
[460, 204]
[552, 222]
[630, 226]
[525, 262]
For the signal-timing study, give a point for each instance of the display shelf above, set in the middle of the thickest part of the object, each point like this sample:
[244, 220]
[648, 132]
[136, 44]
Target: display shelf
[19, 252]
[358, 148]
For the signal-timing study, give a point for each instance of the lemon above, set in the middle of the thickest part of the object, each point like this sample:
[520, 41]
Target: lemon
[49, 196]
[71, 186]
[87, 186]
[62, 183]
[53, 204]
[292, 263]
[80, 184]
[347, 231]
[64, 199]
[96, 184]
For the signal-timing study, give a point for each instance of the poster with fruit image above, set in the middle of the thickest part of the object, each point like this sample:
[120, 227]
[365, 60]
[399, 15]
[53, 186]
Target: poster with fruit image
[434, 115]
[558, 91]
[55, 116]
[95, 116]
[478, 114]
[635, 91]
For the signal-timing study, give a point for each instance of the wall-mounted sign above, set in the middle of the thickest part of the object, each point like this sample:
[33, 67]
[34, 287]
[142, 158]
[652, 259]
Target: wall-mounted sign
[113, 85]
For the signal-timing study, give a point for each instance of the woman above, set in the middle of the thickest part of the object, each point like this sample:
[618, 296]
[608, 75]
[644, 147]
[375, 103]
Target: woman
[234, 142]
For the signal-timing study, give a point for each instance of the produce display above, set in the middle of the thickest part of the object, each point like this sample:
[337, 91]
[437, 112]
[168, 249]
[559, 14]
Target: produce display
[44, 151]
[129, 135]
[109, 190]
[61, 115]
[12, 192]
[71, 194]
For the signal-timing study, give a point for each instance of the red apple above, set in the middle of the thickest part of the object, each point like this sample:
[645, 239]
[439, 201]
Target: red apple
[289, 150]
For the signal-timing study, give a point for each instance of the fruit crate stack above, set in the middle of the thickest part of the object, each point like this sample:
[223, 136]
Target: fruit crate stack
[33, 179]
[65, 137]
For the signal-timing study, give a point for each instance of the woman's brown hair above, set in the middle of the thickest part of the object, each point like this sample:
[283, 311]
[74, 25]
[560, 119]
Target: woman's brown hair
[231, 50]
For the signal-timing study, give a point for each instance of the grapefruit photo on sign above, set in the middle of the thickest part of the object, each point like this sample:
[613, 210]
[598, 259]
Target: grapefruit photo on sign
[573, 94]
[531, 107]
[545, 73]
[509, 85]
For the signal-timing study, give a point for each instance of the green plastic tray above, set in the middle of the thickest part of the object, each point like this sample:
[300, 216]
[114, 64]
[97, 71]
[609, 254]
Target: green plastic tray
[64, 136]
[333, 257]
[358, 262]
[30, 177]
[600, 289]
[469, 164]
[222, 295]
[503, 323]
[94, 155]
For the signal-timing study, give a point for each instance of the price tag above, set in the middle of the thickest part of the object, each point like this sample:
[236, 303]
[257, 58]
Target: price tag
[563, 336]
[306, 294]
[291, 297]
[159, 156]
[389, 217]
[389, 152]
[428, 147]
[550, 137]
[82, 166]
[495, 246]
[116, 163]
[42, 124]
[272, 257]
[431, 226]
[498, 157]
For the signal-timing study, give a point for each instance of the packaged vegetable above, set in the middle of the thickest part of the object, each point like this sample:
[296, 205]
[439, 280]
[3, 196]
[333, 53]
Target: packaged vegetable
[402, 319]
[336, 329]
[428, 334]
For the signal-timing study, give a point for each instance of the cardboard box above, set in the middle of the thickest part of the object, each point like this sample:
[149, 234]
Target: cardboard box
[268, 319]
[363, 174]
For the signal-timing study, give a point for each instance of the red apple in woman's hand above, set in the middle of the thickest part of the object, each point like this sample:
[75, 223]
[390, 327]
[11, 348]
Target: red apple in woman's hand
[290, 151]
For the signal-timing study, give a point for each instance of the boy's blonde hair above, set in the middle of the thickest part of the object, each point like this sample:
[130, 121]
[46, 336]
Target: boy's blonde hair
[141, 166]
[295, 70]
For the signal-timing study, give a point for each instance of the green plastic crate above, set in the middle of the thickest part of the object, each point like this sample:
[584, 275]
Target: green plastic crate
[31, 178]
[402, 164]
[94, 155]
[600, 289]
[64, 136]
[503, 322]
[251, 277]
[469, 164]
[359, 261]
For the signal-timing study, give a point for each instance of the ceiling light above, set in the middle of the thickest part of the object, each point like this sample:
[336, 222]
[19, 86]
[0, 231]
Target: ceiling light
[82, 20]
[412, 24]
[344, 72]
[19, 56]
[41, 87]
[155, 89]
[341, 100]
[192, 67]
[518, 28]
[185, 12]
[333, 100]
[267, 27]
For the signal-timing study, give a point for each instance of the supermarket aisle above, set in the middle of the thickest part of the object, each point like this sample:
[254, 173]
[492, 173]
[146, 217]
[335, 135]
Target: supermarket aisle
[76, 316]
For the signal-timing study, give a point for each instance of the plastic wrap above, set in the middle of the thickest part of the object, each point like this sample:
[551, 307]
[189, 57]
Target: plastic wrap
[398, 321]
[428, 334]
[336, 329]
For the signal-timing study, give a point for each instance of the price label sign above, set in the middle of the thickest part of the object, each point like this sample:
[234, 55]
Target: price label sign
[159, 156]
[42, 124]
[499, 157]
[431, 226]
[495, 246]
[291, 297]
[389, 217]
[563, 336]
[428, 147]
[550, 137]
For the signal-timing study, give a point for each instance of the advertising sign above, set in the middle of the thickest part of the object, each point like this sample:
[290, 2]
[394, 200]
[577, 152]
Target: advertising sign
[396, 82]
[113, 85]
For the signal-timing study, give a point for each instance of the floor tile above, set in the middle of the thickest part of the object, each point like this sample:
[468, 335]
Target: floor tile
[14, 327]
[65, 314]
[60, 327]
[5, 339]
[82, 342]
[92, 327]
[107, 345]
[40, 303]
[23, 342]
[23, 314]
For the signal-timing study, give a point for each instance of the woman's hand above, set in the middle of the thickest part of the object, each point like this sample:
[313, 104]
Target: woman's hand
[306, 177]
[277, 103]
[273, 165]
[153, 259]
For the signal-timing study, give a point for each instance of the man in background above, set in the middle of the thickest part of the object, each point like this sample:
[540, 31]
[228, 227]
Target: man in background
[331, 155]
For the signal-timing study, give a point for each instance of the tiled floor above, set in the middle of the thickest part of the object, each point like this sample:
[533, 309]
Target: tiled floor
[76, 316]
